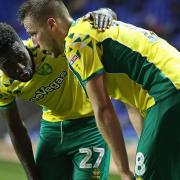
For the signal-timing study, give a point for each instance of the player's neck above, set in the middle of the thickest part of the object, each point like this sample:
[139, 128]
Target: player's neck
[66, 24]
[62, 32]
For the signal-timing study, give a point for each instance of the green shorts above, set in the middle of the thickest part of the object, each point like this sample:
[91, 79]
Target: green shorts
[158, 152]
[73, 149]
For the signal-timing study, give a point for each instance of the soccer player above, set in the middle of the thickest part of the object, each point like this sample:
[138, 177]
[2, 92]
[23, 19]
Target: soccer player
[100, 60]
[70, 145]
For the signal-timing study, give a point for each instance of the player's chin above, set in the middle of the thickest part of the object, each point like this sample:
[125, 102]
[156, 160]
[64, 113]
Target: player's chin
[25, 77]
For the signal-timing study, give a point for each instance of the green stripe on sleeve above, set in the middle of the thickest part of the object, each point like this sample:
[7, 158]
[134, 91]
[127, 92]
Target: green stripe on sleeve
[97, 73]
[4, 107]
[118, 58]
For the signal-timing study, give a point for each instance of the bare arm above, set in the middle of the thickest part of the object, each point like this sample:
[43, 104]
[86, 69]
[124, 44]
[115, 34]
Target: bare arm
[135, 118]
[108, 124]
[21, 141]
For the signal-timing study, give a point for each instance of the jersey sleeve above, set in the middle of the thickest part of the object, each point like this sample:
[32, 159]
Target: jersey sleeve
[84, 56]
[6, 97]
[6, 100]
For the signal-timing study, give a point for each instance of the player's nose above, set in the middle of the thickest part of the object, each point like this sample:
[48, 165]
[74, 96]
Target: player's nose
[20, 68]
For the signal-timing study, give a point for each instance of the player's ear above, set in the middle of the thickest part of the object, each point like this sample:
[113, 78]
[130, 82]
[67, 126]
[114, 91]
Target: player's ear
[51, 22]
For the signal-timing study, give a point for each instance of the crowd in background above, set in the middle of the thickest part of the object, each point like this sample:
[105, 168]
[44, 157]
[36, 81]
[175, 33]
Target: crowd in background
[160, 16]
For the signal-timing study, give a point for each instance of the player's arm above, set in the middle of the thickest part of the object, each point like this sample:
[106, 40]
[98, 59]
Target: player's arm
[102, 18]
[20, 140]
[89, 69]
[135, 118]
[108, 124]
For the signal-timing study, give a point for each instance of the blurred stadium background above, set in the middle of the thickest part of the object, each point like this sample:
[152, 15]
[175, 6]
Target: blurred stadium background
[161, 16]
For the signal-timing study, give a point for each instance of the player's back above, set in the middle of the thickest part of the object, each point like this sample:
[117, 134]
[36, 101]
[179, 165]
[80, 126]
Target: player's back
[149, 61]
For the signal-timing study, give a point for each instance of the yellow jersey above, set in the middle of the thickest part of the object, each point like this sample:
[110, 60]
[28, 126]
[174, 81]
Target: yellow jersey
[140, 68]
[53, 87]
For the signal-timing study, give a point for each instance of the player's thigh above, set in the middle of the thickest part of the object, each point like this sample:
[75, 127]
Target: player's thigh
[91, 163]
[51, 162]
[168, 145]
[158, 145]
[91, 160]
[145, 164]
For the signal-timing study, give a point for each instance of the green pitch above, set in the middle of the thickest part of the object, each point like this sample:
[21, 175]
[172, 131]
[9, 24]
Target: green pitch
[9, 171]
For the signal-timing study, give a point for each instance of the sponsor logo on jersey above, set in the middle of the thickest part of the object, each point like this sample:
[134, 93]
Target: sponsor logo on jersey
[45, 90]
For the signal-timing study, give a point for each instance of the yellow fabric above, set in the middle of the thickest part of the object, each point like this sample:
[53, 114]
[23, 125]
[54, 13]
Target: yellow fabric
[53, 87]
[121, 87]
[84, 52]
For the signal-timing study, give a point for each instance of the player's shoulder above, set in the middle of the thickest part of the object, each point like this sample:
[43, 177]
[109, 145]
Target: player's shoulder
[81, 25]
[2, 76]
[36, 54]
[81, 30]
[30, 46]
[4, 80]
[28, 43]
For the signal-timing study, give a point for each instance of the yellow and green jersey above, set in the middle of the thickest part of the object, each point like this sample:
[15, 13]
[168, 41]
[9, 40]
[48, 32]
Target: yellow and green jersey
[53, 87]
[140, 68]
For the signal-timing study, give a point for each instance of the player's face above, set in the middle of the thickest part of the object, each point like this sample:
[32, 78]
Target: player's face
[17, 63]
[42, 34]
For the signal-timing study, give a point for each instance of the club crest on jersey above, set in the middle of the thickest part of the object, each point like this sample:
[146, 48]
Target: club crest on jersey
[45, 69]
[73, 59]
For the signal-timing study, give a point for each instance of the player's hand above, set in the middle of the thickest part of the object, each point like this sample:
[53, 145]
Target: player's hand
[102, 19]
